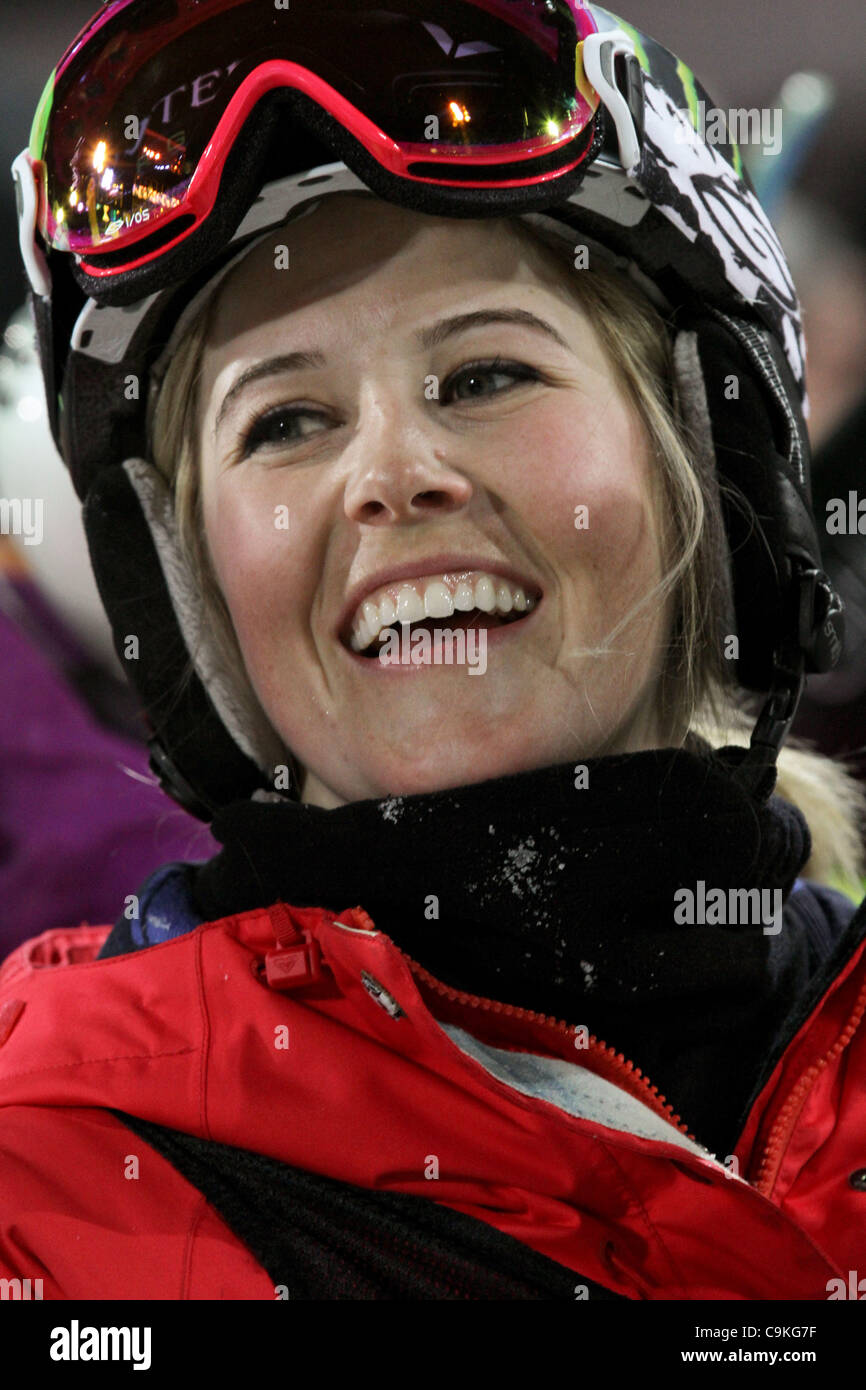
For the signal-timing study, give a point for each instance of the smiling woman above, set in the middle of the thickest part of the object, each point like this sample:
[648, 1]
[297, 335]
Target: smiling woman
[638, 599]
[545, 394]
[398, 495]
[472, 483]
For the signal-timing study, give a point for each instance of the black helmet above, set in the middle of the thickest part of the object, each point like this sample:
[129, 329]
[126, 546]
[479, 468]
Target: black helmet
[154, 163]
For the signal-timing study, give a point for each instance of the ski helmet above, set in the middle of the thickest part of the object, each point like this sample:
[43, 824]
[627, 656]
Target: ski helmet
[171, 137]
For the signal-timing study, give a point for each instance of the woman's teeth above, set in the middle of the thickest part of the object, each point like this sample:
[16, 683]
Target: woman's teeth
[438, 596]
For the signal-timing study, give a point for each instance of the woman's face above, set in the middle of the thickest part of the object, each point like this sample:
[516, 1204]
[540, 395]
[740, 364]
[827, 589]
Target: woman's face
[431, 422]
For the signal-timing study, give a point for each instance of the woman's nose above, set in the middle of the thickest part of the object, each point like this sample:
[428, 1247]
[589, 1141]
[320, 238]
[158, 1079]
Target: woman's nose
[399, 472]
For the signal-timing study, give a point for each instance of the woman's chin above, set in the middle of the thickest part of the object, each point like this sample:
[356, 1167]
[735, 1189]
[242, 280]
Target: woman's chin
[453, 764]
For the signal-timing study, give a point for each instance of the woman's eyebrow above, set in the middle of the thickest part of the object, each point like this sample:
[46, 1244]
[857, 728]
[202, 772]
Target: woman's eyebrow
[271, 366]
[446, 328]
[428, 338]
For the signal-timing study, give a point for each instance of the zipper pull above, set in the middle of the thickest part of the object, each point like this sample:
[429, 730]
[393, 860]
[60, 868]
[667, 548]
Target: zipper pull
[297, 960]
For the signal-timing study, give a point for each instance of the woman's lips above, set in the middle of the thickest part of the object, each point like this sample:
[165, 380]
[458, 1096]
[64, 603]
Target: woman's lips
[432, 586]
[493, 636]
[450, 597]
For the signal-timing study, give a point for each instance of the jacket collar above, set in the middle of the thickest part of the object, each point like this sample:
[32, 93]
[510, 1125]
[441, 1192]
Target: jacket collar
[555, 890]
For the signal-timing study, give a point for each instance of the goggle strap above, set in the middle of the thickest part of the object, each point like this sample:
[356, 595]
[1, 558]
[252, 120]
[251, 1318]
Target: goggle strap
[599, 54]
[27, 204]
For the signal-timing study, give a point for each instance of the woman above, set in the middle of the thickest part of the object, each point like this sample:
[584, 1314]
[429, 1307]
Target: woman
[358, 1054]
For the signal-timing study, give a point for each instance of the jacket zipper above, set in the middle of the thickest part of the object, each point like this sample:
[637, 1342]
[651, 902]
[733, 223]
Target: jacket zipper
[629, 1076]
[295, 963]
[783, 1127]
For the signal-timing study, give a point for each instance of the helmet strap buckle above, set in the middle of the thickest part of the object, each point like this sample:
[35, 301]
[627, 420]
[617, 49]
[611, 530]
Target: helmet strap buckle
[771, 730]
[816, 646]
[821, 620]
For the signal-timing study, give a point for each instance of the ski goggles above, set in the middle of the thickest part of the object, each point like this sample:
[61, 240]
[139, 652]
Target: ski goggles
[132, 132]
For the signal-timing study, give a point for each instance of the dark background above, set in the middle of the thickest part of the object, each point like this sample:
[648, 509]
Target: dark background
[742, 50]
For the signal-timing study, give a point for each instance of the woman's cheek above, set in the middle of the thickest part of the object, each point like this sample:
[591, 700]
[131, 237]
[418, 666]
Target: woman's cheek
[583, 490]
[254, 551]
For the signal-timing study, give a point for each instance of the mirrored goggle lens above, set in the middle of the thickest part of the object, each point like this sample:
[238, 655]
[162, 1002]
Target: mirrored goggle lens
[136, 100]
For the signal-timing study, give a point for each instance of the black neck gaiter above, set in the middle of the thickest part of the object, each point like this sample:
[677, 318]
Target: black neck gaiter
[554, 890]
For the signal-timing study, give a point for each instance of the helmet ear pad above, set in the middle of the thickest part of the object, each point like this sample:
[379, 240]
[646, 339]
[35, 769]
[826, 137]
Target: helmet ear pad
[761, 449]
[205, 735]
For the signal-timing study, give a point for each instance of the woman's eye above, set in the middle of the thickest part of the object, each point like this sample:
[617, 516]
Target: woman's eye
[279, 426]
[288, 425]
[479, 380]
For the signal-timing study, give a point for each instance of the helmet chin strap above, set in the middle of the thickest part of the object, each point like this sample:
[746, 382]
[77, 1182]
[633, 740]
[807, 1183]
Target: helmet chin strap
[819, 630]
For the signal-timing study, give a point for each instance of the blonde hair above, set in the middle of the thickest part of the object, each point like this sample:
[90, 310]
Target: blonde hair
[697, 698]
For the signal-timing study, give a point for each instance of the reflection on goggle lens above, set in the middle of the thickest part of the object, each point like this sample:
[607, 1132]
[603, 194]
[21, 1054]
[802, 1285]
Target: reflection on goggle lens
[129, 116]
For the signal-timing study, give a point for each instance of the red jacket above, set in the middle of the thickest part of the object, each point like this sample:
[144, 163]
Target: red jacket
[225, 1034]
